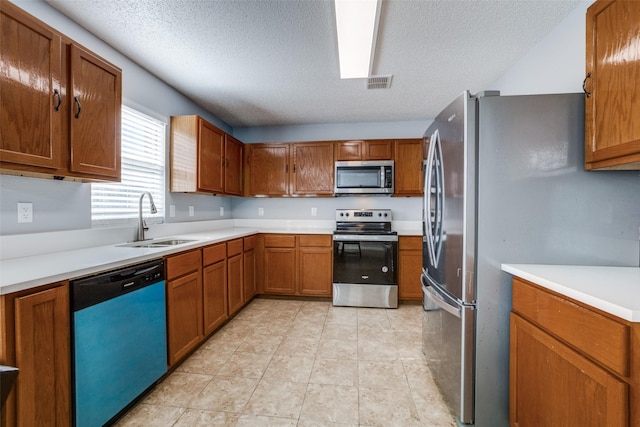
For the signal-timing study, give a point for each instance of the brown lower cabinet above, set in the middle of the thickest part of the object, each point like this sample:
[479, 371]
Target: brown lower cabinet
[235, 293]
[571, 364]
[315, 260]
[249, 261]
[35, 331]
[214, 283]
[296, 264]
[184, 304]
[204, 287]
[409, 268]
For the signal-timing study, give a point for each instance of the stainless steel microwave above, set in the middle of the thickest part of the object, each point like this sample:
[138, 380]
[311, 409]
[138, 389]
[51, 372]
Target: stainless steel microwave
[371, 177]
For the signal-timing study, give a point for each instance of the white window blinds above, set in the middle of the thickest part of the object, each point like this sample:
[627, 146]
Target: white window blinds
[143, 160]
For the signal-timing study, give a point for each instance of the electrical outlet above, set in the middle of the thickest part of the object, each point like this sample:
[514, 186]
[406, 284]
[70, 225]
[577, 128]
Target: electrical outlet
[25, 212]
[192, 211]
[314, 211]
[260, 211]
[172, 211]
[221, 210]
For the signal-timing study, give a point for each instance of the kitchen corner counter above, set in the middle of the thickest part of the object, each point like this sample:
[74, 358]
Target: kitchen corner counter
[614, 290]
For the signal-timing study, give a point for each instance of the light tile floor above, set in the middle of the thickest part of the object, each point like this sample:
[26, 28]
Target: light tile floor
[306, 364]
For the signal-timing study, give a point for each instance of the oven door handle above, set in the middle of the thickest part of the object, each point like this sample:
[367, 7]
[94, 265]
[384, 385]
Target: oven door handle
[364, 238]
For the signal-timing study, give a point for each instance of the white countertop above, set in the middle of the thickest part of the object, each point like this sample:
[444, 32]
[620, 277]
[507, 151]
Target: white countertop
[27, 272]
[29, 261]
[615, 290]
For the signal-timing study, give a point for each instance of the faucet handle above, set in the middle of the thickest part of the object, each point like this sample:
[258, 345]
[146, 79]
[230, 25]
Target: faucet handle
[144, 225]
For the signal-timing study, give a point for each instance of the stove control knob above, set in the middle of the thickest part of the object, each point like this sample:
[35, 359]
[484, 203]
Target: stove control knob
[341, 214]
[347, 214]
[385, 214]
[379, 214]
[385, 269]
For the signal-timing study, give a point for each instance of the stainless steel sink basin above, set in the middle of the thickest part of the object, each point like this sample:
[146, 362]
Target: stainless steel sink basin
[156, 244]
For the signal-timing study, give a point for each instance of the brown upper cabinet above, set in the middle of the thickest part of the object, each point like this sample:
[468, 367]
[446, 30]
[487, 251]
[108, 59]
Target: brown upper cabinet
[290, 169]
[64, 121]
[407, 154]
[204, 159]
[612, 104]
[370, 149]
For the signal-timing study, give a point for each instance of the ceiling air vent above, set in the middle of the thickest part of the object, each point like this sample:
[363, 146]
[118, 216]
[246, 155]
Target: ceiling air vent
[379, 82]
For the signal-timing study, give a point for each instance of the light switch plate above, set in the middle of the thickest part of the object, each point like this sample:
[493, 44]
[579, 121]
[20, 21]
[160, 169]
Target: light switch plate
[172, 211]
[192, 211]
[260, 211]
[221, 210]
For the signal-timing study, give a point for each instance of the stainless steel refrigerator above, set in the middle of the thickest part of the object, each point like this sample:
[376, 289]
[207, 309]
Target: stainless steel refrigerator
[504, 182]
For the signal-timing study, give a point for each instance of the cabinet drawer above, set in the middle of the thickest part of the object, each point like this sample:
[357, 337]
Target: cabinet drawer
[280, 241]
[249, 243]
[315, 240]
[410, 243]
[234, 247]
[179, 265]
[214, 253]
[596, 336]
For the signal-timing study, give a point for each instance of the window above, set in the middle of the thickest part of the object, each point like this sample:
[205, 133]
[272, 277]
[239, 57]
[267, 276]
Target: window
[143, 160]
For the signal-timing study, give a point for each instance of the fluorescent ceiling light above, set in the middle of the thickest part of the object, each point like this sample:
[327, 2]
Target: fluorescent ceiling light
[357, 25]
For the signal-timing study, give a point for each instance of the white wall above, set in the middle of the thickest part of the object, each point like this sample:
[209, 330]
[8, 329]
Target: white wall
[555, 65]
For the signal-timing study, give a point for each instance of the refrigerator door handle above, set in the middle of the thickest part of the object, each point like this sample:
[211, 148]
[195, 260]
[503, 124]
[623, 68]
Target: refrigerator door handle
[438, 232]
[427, 221]
[441, 300]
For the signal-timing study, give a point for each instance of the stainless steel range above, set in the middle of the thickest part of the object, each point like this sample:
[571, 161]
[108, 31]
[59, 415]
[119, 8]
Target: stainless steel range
[365, 258]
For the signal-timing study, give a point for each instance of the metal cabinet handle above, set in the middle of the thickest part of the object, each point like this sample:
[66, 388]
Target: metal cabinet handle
[77, 114]
[57, 93]
[584, 85]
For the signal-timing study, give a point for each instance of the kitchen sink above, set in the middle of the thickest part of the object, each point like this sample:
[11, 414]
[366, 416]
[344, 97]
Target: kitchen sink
[156, 244]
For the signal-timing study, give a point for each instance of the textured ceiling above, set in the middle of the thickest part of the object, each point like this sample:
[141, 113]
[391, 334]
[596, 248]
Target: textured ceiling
[274, 62]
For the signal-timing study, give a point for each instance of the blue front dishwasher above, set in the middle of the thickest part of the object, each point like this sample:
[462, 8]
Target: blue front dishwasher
[119, 340]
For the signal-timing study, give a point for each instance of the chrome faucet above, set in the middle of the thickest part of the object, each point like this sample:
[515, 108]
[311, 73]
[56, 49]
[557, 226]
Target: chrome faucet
[142, 225]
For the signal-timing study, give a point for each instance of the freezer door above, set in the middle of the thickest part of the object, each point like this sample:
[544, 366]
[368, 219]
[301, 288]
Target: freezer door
[448, 344]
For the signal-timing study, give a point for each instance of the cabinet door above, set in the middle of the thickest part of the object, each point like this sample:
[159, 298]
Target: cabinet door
[269, 170]
[279, 270]
[408, 167]
[43, 355]
[377, 149]
[214, 282]
[550, 384]
[409, 268]
[234, 283]
[95, 102]
[612, 135]
[232, 166]
[315, 271]
[30, 71]
[184, 315]
[348, 150]
[210, 158]
[312, 168]
[249, 274]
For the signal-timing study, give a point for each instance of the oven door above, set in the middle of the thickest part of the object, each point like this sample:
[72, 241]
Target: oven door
[365, 259]
[364, 271]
